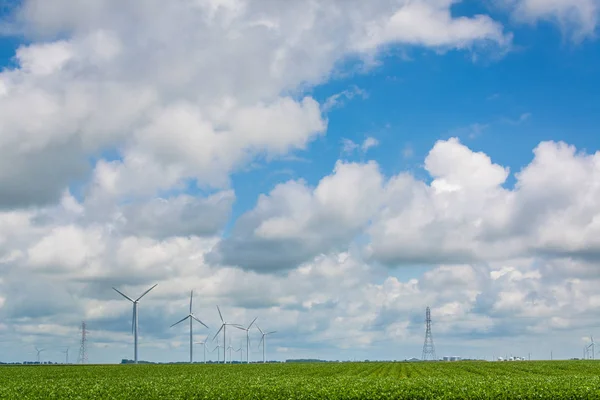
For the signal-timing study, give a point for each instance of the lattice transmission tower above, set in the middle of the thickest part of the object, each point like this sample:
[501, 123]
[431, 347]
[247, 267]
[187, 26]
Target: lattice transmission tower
[428, 347]
[83, 359]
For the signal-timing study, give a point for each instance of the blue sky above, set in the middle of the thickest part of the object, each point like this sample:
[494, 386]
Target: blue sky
[332, 173]
[546, 88]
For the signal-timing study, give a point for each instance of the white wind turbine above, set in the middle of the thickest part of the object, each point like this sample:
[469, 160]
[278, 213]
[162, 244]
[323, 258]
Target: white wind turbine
[191, 318]
[263, 340]
[223, 328]
[38, 353]
[230, 347]
[218, 349]
[204, 343]
[247, 338]
[134, 322]
[241, 354]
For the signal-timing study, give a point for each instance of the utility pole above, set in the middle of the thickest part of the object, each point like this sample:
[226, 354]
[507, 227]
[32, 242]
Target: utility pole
[428, 347]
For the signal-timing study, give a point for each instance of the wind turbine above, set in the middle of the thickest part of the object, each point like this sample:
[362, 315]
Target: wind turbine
[247, 339]
[593, 347]
[224, 328]
[38, 353]
[67, 353]
[263, 340]
[218, 349]
[241, 354]
[191, 318]
[203, 343]
[230, 347]
[134, 322]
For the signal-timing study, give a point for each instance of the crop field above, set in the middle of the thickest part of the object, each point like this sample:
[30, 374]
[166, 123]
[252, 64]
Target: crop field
[459, 380]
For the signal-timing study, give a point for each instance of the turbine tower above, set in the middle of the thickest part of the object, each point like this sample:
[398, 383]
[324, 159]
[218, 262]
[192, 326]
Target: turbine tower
[134, 322]
[191, 317]
[263, 341]
[224, 328]
[247, 339]
[428, 347]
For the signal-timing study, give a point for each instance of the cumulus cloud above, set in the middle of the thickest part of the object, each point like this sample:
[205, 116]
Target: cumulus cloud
[194, 113]
[295, 222]
[465, 214]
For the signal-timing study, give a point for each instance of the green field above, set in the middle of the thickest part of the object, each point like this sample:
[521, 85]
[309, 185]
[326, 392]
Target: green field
[460, 380]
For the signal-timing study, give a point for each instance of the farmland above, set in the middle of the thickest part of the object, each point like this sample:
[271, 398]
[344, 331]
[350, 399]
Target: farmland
[460, 380]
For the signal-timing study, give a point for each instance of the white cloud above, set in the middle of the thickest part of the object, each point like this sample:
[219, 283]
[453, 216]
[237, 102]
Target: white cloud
[464, 214]
[194, 112]
[431, 24]
[338, 99]
[369, 143]
[577, 18]
[349, 146]
[295, 222]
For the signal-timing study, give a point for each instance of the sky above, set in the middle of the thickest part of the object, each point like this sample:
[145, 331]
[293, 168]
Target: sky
[330, 167]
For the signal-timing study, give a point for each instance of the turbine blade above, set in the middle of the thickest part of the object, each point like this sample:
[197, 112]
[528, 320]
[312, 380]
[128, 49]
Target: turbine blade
[268, 333]
[259, 329]
[251, 323]
[191, 296]
[262, 339]
[180, 321]
[239, 327]
[146, 292]
[220, 315]
[219, 331]
[127, 297]
[199, 321]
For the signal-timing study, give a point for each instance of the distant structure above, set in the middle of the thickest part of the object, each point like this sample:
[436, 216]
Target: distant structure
[428, 347]
[83, 358]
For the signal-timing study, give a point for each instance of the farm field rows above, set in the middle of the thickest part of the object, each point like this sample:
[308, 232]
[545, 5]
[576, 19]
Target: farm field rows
[460, 380]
